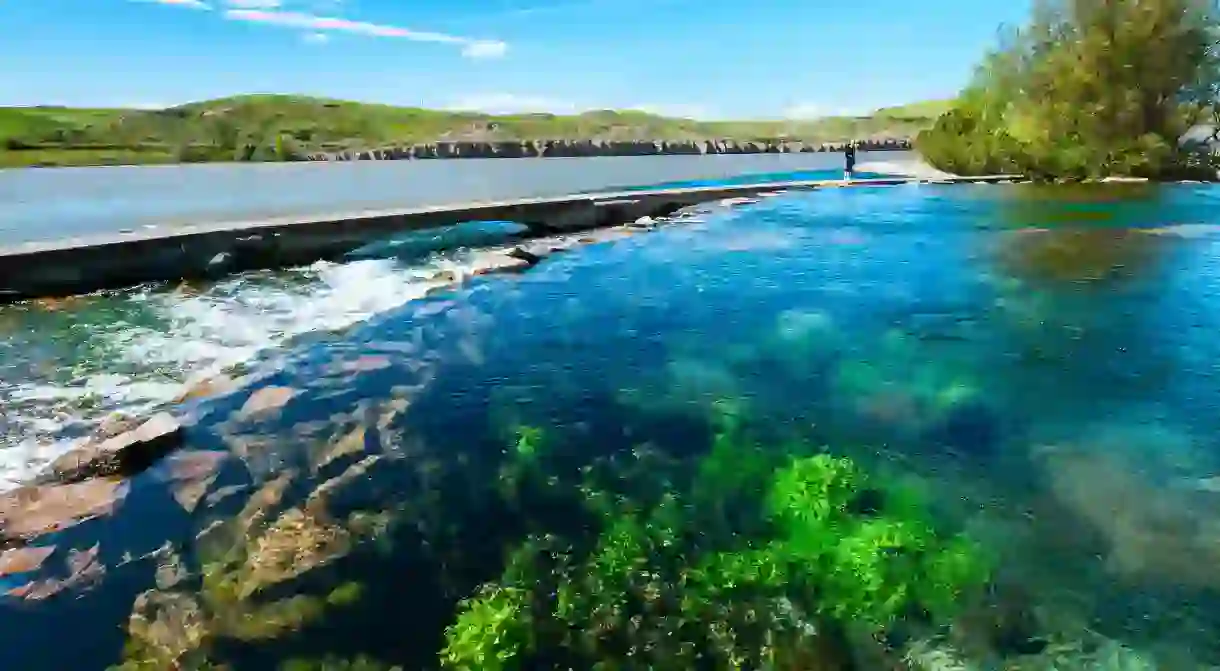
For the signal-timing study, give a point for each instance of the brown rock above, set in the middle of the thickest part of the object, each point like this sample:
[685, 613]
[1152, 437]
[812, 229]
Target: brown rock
[84, 570]
[267, 399]
[349, 444]
[190, 474]
[447, 276]
[295, 543]
[167, 626]
[357, 472]
[500, 263]
[30, 511]
[115, 425]
[24, 560]
[125, 454]
[213, 386]
[366, 364]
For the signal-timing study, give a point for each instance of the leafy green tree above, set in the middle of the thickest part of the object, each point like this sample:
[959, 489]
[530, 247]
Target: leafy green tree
[1089, 88]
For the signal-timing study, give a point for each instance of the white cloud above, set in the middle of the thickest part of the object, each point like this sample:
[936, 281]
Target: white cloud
[485, 49]
[509, 103]
[254, 4]
[472, 48]
[192, 4]
[315, 38]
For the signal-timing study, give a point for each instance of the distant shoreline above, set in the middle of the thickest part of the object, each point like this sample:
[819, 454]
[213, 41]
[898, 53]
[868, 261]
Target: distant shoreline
[459, 150]
[594, 148]
[285, 128]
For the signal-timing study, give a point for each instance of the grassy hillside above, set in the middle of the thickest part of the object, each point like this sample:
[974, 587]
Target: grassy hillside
[280, 127]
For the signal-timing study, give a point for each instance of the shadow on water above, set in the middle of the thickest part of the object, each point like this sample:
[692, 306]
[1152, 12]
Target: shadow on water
[1014, 382]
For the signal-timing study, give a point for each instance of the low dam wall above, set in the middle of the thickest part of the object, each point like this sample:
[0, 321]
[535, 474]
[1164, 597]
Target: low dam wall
[211, 250]
[587, 148]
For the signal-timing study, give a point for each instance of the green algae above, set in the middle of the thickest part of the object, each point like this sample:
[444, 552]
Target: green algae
[754, 555]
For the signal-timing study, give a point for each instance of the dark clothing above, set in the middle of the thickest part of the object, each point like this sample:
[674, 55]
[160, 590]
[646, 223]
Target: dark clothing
[849, 156]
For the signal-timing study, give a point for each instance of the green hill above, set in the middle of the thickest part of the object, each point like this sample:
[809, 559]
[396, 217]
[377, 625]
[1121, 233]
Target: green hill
[276, 127]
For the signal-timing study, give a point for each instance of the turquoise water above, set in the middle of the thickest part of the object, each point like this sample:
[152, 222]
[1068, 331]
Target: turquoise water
[758, 178]
[39, 205]
[622, 444]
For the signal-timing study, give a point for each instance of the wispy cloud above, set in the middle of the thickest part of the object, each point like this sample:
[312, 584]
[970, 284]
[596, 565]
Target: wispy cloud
[315, 38]
[254, 4]
[192, 4]
[471, 48]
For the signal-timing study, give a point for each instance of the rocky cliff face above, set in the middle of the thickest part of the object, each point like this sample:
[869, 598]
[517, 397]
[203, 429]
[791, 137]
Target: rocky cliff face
[581, 148]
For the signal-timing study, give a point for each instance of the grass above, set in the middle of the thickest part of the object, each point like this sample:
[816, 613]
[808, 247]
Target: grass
[279, 127]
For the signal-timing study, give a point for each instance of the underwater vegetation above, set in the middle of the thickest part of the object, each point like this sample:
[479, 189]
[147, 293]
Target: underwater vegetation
[752, 556]
[682, 526]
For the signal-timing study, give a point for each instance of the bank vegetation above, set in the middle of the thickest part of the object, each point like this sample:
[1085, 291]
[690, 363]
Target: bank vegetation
[1089, 89]
[286, 127]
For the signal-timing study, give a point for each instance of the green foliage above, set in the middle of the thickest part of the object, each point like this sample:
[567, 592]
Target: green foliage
[1089, 88]
[867, 561]
[284, 127]
[764, 555]
[492, 631]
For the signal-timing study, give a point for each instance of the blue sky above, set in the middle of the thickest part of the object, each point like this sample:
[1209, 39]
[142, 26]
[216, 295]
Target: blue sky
[702, 58]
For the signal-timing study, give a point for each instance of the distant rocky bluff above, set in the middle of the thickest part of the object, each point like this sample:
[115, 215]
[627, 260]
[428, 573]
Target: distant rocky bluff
[581, 148]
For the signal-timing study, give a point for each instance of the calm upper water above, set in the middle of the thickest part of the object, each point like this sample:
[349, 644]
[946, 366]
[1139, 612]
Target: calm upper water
[1040, 364]
[42, 204]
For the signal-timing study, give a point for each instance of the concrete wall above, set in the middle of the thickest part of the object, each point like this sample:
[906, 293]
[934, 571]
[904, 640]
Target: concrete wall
[588, 148]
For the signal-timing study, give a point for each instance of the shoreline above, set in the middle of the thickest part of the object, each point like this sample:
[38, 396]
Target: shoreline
[466, 150]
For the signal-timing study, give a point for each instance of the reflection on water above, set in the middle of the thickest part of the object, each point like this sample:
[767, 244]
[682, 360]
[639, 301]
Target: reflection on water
[916, 427]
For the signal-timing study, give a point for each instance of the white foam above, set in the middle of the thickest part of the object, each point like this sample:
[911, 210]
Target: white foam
[134, 368]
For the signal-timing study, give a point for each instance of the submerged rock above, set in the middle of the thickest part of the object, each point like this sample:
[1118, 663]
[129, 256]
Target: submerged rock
[83, 568]
[124, 454]
[1153, 533]
[499, 263]
[266, 401]
[37, 509]
[23, 560]
[216, 385]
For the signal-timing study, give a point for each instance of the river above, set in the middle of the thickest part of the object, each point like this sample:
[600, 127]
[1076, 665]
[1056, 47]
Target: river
[1028, 371]
[57, 203]
[67, 366]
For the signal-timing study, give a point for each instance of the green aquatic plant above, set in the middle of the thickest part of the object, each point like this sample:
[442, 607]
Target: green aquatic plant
[870, 558]
[760, 557]
[492, 631]
[530, 442]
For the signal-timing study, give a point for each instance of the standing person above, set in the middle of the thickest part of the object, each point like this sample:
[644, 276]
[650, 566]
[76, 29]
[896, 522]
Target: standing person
[849, 159]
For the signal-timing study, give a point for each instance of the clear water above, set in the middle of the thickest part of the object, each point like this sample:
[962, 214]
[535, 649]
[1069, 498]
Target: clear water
[1038, 364]
[40, 205]
[758, 178]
